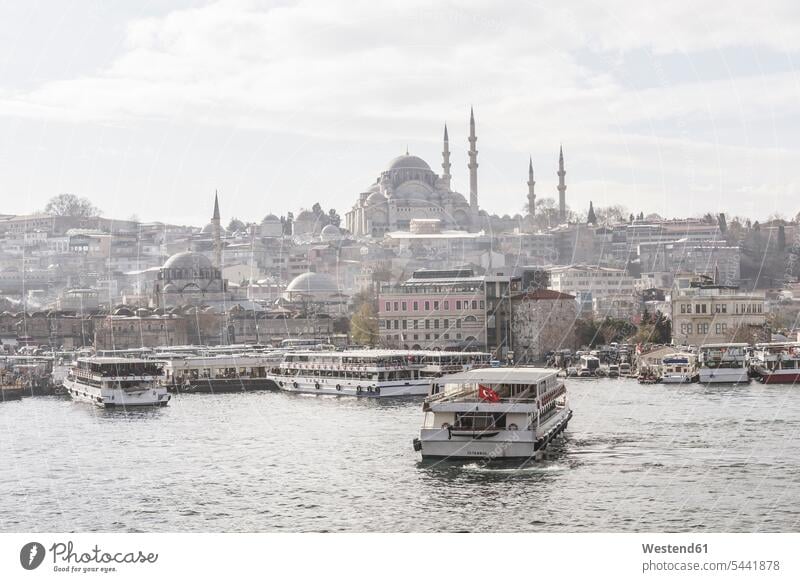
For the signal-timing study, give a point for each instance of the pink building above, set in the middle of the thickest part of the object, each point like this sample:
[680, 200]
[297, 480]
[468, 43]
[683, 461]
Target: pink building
[434, 310]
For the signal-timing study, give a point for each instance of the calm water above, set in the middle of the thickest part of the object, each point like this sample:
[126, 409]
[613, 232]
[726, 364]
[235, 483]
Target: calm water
[636, 458]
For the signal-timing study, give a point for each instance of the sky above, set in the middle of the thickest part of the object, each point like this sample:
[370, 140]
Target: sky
[147, 108]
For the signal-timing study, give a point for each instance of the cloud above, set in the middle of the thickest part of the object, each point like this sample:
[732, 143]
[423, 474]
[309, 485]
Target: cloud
[539, 73]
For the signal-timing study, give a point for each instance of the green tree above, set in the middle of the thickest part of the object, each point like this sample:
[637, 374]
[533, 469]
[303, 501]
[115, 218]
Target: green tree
[591, 218]
[364, 325]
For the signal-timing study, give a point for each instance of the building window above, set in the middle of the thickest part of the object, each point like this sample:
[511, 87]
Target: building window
[427, 336]
[395, 306]
[405, 324]
[446, 323]
[388, 306]
[404, 305]
[703, 308]
[436, 305]
[416, 324]
[458, 304]
[458, 324]
[447, 336]
[435, 324]
[416, 336]
[415, 306]
[427, 324]
[447, 305]
[474, 304]
[482, 304]
[427, 306]
[697, 308]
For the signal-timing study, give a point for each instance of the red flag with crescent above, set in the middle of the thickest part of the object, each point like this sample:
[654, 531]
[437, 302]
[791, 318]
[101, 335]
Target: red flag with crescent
[487, 394]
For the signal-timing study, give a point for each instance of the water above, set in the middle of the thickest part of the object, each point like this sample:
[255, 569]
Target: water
[636, 458]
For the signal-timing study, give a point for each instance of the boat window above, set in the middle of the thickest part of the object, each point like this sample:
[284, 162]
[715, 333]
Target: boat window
[479, 420]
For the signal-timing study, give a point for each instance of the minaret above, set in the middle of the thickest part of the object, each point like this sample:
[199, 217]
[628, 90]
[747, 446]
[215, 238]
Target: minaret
[562, 187]
[473, 164]
[216, 233]
[531, 195]
[446, 159]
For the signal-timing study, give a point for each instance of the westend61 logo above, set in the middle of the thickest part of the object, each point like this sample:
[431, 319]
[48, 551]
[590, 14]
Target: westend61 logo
[31, 555]
[66, 559]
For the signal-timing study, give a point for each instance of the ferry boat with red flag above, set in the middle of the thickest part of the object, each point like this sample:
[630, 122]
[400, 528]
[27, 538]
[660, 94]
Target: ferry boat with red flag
[777, 362]
[493, 413]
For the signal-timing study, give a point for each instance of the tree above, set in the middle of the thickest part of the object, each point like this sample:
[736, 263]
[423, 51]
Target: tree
[287, 223]
[614, 214]
[236, 225]
[723, 224]
[71, 205]
[334, 218]
[364, 325]
[590, 217]
[781, 238]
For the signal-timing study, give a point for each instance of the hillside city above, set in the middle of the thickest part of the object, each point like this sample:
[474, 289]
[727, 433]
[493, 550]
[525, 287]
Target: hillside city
[412, 264]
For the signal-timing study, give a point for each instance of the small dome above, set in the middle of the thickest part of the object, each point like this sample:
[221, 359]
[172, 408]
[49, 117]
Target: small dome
[313, 283]
[124, 311]
[376, 198]
[270, 218]
[408, 161]
[330, 233]
[188, 260]
[306, 215]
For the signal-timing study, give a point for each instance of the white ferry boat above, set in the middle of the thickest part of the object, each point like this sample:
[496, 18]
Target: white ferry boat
[777, 362]
[219, 373]
[113, 382]
[723, 363]
[506, 413]
[678, 369]
[369, 373]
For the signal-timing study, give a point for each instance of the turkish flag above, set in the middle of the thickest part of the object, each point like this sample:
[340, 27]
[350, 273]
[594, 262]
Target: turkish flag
[487, 394]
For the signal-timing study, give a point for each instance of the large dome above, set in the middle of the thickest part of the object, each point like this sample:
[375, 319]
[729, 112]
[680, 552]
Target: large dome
[408, 161]
[188, 260]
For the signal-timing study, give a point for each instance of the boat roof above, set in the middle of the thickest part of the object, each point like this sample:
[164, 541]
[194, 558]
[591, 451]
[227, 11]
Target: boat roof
[519, 375]
[741, 345]
[110, 360]
[384, 353]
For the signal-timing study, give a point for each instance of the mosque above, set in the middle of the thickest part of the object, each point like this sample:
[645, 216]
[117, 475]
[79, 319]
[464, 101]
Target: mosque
[409, 190]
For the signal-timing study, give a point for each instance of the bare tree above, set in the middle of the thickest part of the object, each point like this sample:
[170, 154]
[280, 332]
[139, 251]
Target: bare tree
[71, 205]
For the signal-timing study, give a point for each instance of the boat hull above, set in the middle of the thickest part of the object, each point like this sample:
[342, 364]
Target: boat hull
[724, 376]
[440, 443]
[223, 385]
[676, 379]
[344, 387]
[116, 397]
[790, 377]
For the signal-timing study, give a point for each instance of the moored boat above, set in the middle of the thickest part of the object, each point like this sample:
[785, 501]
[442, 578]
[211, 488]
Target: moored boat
[678, 369]
[723, 363]
[369, 373]
[777, 362]
[116, 382]
[507, 413]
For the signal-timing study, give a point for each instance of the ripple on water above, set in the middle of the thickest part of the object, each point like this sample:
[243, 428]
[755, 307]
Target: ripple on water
[634, 459]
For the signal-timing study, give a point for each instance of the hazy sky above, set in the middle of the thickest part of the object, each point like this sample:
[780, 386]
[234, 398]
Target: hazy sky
[147, 107]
